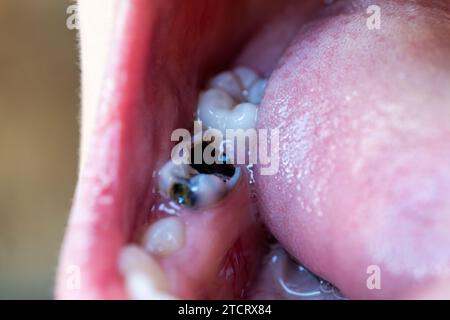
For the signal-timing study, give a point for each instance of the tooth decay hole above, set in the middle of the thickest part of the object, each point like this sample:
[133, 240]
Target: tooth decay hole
[181, 193]
[220, 167]
[229, 102]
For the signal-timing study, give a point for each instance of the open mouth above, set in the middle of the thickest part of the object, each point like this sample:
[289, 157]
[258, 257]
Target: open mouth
[259, 238]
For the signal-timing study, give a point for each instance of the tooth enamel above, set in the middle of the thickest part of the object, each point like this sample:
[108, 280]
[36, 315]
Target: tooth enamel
[165, 236]
[243, 116]
[234, 179]
[213, 106]
[229, 82]
[208, 189]
[140, 287]
[246, 76]
[144, 278]
[256, 91]
[171, 173]
[215, 109]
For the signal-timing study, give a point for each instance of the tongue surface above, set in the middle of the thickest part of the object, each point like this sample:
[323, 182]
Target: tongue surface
[361, 196]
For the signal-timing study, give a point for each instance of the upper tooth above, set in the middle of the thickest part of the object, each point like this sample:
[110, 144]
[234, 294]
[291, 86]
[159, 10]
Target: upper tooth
[144, 278]
[246, 76]
[208, 189]
[256, 91]
[228, 82]
[165, 236]
[215, 109]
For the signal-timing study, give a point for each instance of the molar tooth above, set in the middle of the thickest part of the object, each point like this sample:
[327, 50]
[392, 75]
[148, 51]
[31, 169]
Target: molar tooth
[243, 117]
[144, 278]
[215, 109]
[229, 82]
[165, 236]
[170, 174]
[246, 76]
[208, 189]
[256, 91]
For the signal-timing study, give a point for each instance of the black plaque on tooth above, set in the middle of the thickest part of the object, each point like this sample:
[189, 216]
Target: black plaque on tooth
[219, 167]
[182, 194]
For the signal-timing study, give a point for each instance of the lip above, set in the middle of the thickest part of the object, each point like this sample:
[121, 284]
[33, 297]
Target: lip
[99, 203]
[115, 183]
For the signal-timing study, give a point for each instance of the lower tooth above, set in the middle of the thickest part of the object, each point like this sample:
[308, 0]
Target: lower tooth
[243, 116]
[229, 82]
[246, 76]
[215, 110]
[294, 282]
[165, 236]
[213, 107]
[256, 91]
[208, 189]
[171, 174]
[144, 278]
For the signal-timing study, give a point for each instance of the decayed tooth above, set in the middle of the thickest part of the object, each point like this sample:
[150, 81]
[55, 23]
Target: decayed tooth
[256, 91]
[144, 278]
[208, 189]
[165, 236]
[246, 76]
[215, 109]
[171, 174]
[229, 82]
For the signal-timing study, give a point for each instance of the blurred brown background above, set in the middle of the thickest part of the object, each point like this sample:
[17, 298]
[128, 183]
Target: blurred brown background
[39, 92]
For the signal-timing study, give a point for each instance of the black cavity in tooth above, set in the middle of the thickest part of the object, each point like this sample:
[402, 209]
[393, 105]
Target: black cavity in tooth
[220, 167]
[181, 193]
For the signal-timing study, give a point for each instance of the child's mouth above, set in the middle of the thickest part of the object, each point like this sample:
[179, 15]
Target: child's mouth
[317, 59]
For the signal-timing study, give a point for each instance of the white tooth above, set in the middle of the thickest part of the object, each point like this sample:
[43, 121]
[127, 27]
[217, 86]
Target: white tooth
[140, 287]
[144, 278]
[171, 173]
[208, 188]
[228, 82]
[246, 76]
[256, 92]
[216, 110]
[165, 236]
[213, 107]
[243, 116]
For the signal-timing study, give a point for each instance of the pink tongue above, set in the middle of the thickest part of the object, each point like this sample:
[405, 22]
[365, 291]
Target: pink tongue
[361, 195]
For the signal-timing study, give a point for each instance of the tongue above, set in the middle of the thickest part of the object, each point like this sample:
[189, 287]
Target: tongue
[341, 142]
[361, 195]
